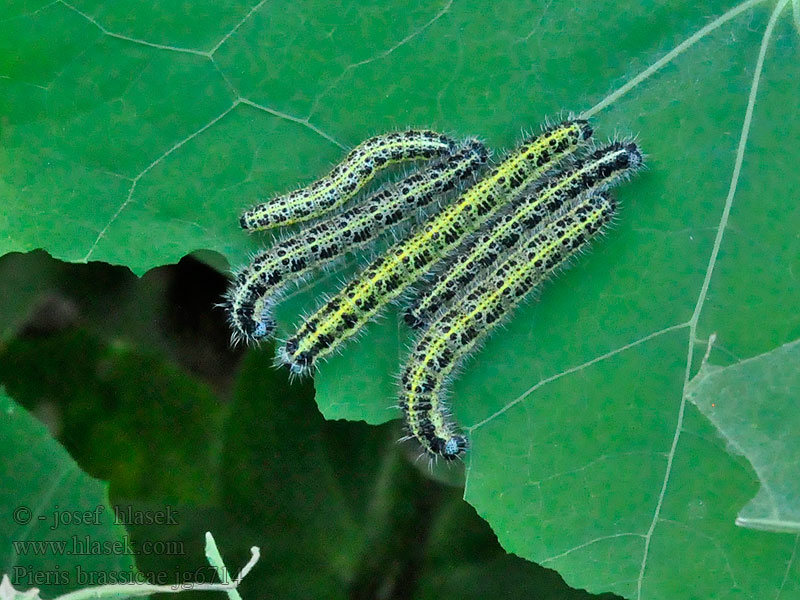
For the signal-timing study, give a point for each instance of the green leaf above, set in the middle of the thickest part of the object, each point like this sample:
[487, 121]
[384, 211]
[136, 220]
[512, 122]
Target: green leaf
[276, 465]
[337, 507]
[21, 289]
[58, 525]
[344, 514]
[104, 401]
[136, 133]
[753, 404]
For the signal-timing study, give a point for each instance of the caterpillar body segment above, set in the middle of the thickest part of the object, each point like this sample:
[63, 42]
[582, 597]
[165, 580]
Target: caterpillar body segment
[599, 170]
[347, 178]
[258, 286]
[453, 335]
[408, 260]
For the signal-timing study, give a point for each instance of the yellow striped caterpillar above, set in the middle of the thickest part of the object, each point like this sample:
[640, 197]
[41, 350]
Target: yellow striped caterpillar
[600, 169]
[455, 333]
[347, 178]
[406, 261]
[258, 286]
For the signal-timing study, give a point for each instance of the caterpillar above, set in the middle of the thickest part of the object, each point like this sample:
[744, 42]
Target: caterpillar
[347, 178]
[601, 168]
[407, 260]
[456, 332]
[256, 288]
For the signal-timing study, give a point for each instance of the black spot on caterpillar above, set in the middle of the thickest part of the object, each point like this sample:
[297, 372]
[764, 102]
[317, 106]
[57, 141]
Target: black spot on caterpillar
[406, 261]
[456, 332]
[258, 286]
[600, 169]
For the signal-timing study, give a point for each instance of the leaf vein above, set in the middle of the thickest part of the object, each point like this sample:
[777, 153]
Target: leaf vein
[236, 27]
[574, 369]
[146, 170]
[133, 40]
[669, 57]
[380, 55]
[589, 543]
[305, 122]
[789, 565]
[707, 279]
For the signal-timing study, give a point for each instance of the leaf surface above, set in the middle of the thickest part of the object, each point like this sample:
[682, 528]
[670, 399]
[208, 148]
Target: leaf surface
[753, 403]
[58, 528]
[135, 136]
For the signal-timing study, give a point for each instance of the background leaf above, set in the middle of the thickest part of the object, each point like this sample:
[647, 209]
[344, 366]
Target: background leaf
[135, 136]
[44, 493]
[753, 403]
[127, 415]
[339, 509]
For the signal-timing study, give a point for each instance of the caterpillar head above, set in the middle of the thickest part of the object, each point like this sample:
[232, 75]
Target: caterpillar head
[454, 447]
[250, 324]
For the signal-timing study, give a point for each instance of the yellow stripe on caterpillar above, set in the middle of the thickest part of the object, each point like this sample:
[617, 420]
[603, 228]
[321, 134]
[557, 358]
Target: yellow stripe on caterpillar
[259, 286]
[457, 331]
[601, 169]
[408, 260]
